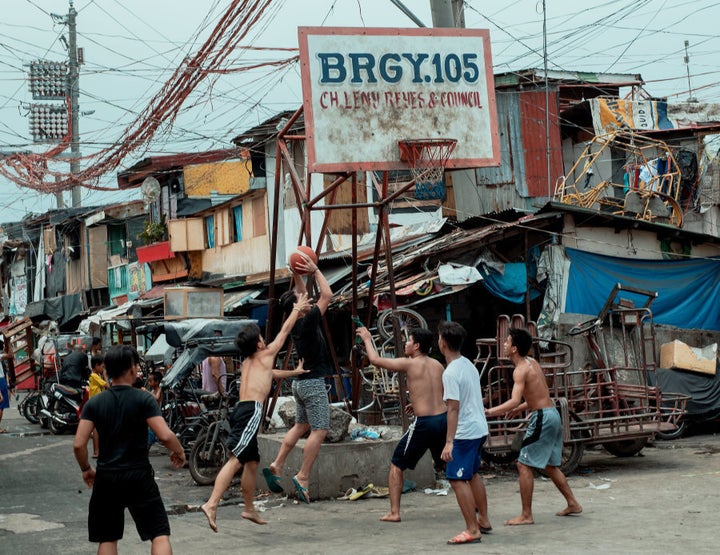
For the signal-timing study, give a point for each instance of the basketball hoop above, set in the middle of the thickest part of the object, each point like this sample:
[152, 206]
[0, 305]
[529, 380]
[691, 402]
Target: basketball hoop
[427, 159]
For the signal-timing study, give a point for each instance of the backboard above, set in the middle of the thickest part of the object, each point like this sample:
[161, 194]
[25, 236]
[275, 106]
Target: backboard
[365, 89]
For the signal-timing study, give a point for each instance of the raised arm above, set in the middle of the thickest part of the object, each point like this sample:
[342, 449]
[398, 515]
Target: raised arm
[311, 269]
[394, 364]
[300, 305]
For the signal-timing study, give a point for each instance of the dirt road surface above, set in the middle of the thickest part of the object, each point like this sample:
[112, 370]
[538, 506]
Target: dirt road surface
[663, 501]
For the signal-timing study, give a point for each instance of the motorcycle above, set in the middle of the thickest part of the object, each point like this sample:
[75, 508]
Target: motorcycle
[64, 407]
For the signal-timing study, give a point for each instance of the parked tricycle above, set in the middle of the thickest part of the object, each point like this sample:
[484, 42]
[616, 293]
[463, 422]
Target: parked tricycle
[609, 402]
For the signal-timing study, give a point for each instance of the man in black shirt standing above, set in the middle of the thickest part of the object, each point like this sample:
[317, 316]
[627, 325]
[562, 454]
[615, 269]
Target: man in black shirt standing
[312, 406]
[124, 477]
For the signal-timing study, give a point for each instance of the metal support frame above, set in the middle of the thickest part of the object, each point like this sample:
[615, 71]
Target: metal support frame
[306, 204]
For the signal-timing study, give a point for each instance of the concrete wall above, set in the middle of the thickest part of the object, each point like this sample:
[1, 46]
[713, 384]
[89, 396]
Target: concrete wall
[341, 466]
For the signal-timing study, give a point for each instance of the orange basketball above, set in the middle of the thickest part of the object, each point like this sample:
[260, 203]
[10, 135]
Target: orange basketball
[296, 259]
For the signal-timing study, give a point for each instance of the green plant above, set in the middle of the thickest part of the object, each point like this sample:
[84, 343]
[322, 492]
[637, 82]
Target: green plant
[153, 231]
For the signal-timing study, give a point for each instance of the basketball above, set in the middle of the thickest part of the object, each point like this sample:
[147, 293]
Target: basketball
[296, 258]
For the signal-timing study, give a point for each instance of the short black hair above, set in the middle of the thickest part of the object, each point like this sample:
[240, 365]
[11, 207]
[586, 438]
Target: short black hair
[423, 337]
[119, 359]
[247, 339]
[453, 334]
[96, 360]
[522, 339]
[287, 300]
[96, 341]
[156, 375]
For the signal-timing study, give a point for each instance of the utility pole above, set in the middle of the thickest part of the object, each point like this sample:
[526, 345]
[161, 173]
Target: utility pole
[691, 98]
[74, 90]
[442, 13]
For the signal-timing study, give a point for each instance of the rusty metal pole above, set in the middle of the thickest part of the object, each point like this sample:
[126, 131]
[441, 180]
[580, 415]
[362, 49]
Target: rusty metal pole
[399, 343]
[354, 354]
[527, 276]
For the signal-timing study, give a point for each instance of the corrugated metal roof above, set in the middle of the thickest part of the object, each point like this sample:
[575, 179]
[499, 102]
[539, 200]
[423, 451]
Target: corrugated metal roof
[411, 265]
[135, 174]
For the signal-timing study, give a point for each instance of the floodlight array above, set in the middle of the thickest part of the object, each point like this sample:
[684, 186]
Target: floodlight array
[48, 122]
[48, 80]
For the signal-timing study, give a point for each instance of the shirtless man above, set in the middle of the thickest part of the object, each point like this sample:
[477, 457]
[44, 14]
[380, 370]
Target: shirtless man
[542, 446]
[257, 374]
[428, 431]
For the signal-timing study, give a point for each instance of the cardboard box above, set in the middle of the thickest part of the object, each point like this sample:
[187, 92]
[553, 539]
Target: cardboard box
[680, 356]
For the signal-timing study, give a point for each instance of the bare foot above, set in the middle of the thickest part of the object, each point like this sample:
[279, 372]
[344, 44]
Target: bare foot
[210, 514]
[276, 471]
[390, 517]
[574, 509]
[519, 520]
[252, 516]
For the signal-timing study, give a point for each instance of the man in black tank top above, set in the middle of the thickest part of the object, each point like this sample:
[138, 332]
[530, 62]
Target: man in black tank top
[312, 412]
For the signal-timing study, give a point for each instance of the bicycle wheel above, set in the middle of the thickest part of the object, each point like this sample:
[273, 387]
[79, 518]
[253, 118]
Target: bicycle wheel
[206, 459]
[407, 318]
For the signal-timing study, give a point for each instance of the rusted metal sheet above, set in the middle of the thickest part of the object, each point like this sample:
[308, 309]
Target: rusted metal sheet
[534, 141]
[511, 162]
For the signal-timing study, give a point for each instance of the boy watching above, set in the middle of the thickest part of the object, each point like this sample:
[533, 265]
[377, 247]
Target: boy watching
[98, 384]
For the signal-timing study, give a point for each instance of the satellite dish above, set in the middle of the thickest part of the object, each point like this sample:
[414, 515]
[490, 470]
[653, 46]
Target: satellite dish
[150, 189]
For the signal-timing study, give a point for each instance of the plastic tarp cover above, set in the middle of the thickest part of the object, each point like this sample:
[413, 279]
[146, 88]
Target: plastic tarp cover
[159, 351]
[683, 287]
[703, 389]
[180, 332]
[200, 340]
[61, 309]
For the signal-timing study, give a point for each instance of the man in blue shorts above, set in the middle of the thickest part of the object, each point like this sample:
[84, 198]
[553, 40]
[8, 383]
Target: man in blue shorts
[124, 477]
[467, 431]
[428, 430]
[542, 446]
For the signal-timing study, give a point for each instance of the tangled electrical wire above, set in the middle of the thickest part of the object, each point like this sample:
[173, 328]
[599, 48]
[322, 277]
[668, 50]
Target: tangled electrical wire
[33, 171]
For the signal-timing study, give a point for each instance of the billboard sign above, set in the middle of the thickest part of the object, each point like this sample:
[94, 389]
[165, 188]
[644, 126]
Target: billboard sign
[364, 89]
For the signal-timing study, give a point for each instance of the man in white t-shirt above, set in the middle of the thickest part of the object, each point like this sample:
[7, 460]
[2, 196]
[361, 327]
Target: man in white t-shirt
[467, 431]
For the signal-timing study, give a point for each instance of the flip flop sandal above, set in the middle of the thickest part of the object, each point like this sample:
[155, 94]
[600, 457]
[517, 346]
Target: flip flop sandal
[361, 492]
[347, 494]
[379, 492]
[302, 491]
[462, 538]
[273, 482]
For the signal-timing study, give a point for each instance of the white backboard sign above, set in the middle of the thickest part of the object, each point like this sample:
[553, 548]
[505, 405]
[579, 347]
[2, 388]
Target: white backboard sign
[364, 89]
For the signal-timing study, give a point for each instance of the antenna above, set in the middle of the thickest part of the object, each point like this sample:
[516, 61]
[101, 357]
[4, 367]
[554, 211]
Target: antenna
[691, 98]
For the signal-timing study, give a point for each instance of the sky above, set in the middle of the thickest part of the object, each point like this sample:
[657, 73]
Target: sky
[131, 48]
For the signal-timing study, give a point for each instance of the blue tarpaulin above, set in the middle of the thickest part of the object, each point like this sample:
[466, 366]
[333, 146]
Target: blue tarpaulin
[510, 285]
[687, 289]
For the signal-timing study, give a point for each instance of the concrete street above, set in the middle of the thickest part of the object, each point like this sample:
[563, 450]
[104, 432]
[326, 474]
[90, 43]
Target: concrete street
[664, 501]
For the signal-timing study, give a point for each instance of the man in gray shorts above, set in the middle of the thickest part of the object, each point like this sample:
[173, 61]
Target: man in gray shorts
[542, 445]
[312, 405]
